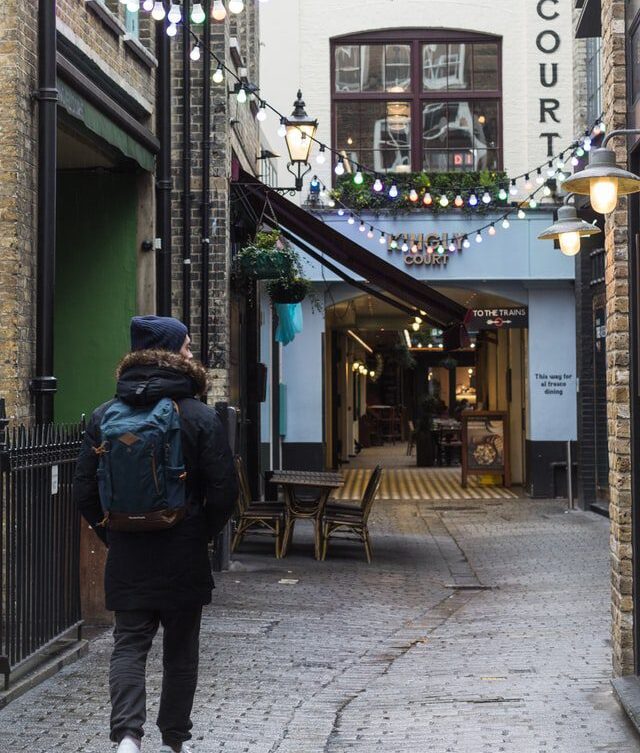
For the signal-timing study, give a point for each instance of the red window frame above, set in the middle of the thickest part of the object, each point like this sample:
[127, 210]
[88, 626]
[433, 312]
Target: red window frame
[416, 97]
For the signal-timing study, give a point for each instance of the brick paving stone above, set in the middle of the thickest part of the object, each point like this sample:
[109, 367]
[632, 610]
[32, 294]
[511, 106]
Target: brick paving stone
[408, 655]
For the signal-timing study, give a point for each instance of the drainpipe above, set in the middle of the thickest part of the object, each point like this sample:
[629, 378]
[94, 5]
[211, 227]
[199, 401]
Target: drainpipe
[186, 166]
[43, 385]
[163, 180]
[206, 191]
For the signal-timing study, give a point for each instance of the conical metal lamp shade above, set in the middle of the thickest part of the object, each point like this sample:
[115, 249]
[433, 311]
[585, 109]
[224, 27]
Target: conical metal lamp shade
[568, 222]
[602, 164]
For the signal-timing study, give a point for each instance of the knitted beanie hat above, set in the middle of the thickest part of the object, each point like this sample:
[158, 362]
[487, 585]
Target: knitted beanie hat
[157, 333]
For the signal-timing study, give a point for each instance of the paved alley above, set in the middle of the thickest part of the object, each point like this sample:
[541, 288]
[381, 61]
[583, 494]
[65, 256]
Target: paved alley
[482, 625]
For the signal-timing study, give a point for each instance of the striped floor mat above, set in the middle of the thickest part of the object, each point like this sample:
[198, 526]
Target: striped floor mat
[419, 483]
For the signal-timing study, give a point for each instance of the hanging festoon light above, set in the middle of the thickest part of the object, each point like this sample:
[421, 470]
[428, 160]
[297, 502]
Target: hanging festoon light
[492, 229]
[444, 200]
[567, 230]
[158, 12]
[148, 5]
[175, 14]
[300, 133]
[361, 228]
[218, 75]
[502, 194]
[382, 240]
[521, 214]
[172, 30]
[261, 115]
[603, 181]
[351, 220]
[458, 201]
[241, 94]
[198, 16]
[321, 156]
[370, 232]
[506, 224]
[358, 178]
[218, 11]
[473, 200]
[486, 197]
[393, 191]
[236, 6]
[478, 237]
[427, 200]
[413, 195]
[377, 185]
[133, 6]
[195, 53]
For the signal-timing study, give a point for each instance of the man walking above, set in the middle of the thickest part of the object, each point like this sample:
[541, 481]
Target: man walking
[157, 570]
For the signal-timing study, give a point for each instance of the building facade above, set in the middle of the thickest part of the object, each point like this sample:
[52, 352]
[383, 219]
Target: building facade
[404, 94]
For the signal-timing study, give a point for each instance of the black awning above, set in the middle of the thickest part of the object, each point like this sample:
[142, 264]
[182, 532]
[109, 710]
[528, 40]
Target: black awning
[590, 23]
[440, 310]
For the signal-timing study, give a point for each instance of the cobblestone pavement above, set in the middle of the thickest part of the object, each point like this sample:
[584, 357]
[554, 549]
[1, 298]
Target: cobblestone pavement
[503, 649]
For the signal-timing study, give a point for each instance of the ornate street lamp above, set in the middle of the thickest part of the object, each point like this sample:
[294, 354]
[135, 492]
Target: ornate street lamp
[568, 229]
[300, 131]
[602, 180]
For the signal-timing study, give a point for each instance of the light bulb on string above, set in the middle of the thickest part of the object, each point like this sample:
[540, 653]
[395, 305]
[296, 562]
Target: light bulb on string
[440, 249]
[473, 200]
[377, 185]
[506, 224]
[502, 194]
[382, 239]
[357, 178]
[261, 115]
[514, 189]
[236, 6]
[198, 16]
[351, 220]
[321, 157]
[561, 177]
[486, 197]
[172, 30]
[539, 177]
[158, 12]
[427, 200]
[133, 6]
[415, 326]
[466, 243]
[492, 229]
[394, 243]
[338, 169]
[175, 14]
[528, 185]
[393, 191]
[521, 214]
[580, 152]
[546, 191]
[478, 237]
[458, 201]
[575, 161]
[444, 200]
[148, 5]
[242, 95]
[405, 247]
[414, 248]
[413, 195]
[533, 203]
[218, 75]
[586, 144]
[370, 232]
[218, 11]
[551, 171]
[452, 248]
[195, 53]
[124, 2]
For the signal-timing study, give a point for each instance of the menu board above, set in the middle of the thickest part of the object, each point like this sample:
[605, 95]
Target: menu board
[485, 444]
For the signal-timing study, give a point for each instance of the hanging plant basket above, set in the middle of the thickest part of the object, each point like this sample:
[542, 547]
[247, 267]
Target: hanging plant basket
[288, 290]
[268, 257]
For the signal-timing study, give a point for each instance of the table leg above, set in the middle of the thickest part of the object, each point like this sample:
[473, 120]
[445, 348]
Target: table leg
[324, 496]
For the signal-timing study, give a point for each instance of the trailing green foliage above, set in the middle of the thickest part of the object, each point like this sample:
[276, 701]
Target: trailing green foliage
[363, 197]
[288, 289]
[267, 257]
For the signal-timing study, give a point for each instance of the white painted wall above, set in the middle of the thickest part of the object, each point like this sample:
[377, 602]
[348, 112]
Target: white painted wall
[295, 52]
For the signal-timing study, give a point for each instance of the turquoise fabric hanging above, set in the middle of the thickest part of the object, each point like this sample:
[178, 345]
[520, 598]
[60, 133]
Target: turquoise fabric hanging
[289, 321]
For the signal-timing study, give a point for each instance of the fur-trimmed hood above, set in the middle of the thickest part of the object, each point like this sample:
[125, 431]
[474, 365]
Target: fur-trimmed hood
[146, 375]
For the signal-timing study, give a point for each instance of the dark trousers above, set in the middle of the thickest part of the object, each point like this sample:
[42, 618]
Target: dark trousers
[133, 635]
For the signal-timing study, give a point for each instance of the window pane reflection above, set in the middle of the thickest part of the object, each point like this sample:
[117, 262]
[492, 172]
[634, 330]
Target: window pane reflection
[397, 68]
[375, 133]
[485, 66]
[347, 59]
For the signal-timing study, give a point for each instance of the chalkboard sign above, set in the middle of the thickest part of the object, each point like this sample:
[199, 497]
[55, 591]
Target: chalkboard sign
[485, 444]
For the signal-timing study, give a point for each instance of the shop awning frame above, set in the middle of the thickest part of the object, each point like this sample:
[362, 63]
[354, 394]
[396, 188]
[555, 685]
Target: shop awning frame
[299, 225]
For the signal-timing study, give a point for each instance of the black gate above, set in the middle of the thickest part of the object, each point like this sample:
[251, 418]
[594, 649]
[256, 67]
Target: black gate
[39, 541]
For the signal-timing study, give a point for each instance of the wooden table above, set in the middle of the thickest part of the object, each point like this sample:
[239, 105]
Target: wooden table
[296, 508]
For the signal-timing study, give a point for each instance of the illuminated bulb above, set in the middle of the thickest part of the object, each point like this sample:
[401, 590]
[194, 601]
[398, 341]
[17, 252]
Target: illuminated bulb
[546, 191]
[575, 161]
[357, 178]
[195, 53]
[236, 6]
[580, 151]
[370, 233]
[417, 319]
[393, 191]
[452, 247]
[428, 199]
[148, 5]
[444, 200]
[569, 243]
[486, 197]
[440, 249]
[413, 195]
[377, 185]
[405, 247]
[559, 164]
[415, 326]
[514, 189]
[372, 373]
[551, 171]
[175, 14]
[506, 224]
[218, 75]
[382, 239]
[528, 185]
[586, 144]
[473, 345]
[466, 243]
[478, 238]
[339, 168]
[603, 193]
[262, 113]
[218, 12]
[441, 346]
[133, 6]
[158, 12]
[341, 212]
[414, 248]
[242, 95]
[539, 178]
[502, 194]
[492, 230]
[394, 244]
[458, 201]
[533, 203]
[351, 219]
[561, 177]
[429, 249]
[320, 157]
[473, 200]
[172, 30]
[521, 214]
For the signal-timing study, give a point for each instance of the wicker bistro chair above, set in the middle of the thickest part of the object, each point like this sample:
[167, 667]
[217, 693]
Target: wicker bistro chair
[256, 517]
[350, 521]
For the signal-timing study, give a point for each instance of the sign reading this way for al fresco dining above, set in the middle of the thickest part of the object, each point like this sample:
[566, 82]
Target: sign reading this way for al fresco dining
[516, 317]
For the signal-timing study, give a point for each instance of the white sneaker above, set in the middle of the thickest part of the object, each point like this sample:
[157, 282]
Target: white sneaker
[184, 749]
[128, 745]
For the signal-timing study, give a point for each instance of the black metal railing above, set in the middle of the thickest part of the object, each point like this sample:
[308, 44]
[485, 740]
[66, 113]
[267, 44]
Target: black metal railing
[39, 541]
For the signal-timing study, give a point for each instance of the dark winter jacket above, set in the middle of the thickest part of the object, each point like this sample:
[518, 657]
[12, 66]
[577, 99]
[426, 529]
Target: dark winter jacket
[166, 569]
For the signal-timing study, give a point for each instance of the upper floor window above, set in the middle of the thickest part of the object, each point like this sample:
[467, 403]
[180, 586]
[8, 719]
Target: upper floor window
[409, 100]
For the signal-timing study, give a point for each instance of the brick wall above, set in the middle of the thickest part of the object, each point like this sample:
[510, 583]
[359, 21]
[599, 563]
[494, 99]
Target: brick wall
[617, 317]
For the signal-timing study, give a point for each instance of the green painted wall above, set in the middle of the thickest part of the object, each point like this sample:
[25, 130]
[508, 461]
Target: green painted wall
[95, 287]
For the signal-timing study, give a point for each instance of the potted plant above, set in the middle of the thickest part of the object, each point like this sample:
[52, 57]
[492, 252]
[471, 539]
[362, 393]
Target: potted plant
[267, 257]
[288, 289]
[425, 445]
